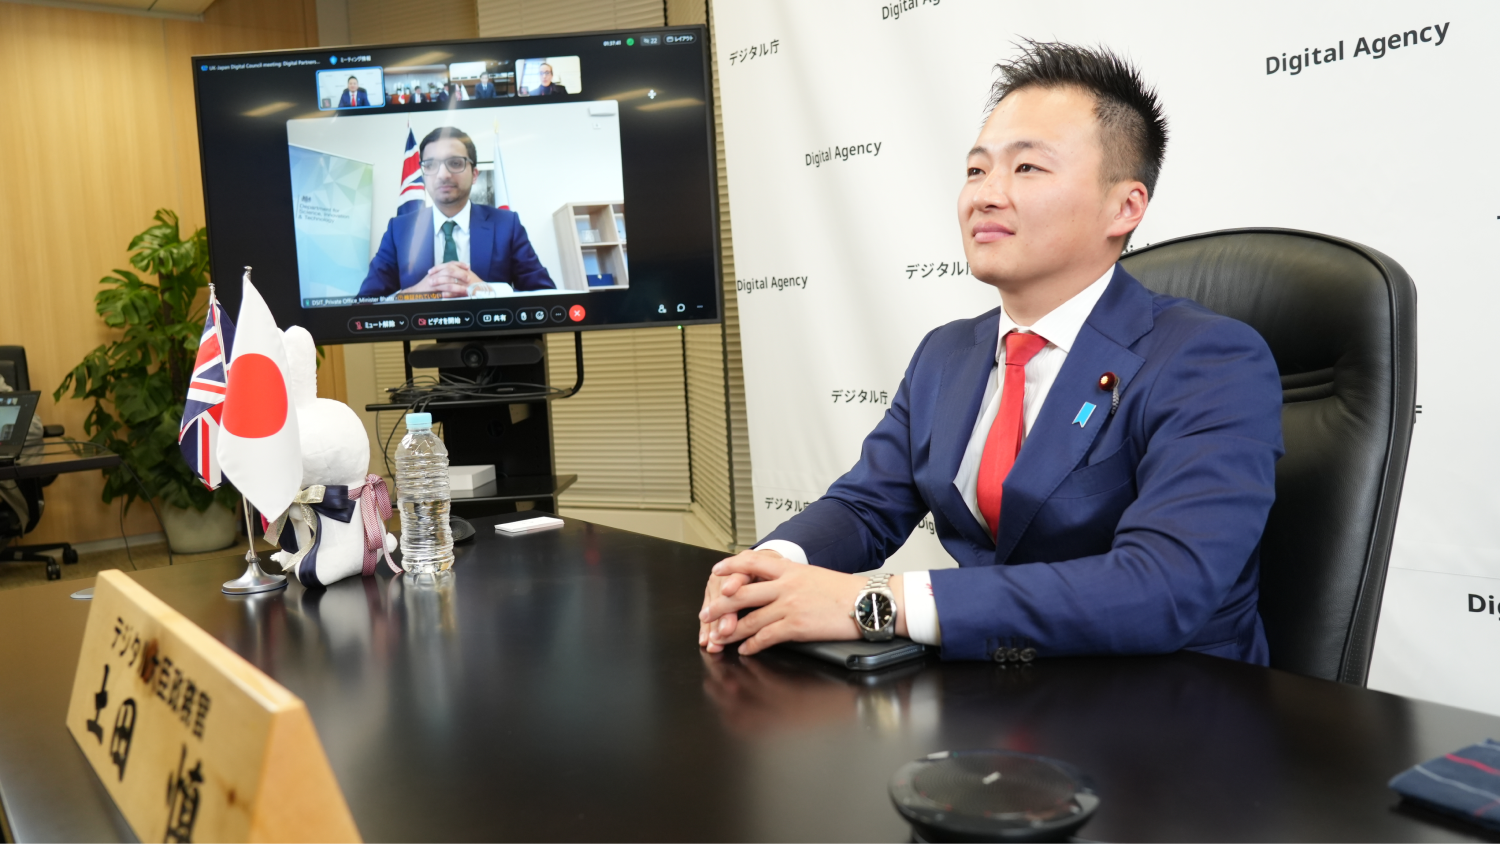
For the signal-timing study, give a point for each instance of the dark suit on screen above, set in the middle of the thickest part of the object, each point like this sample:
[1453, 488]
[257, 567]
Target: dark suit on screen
[499, 251]
[484, 91]
[1137, 532]
[361, 99]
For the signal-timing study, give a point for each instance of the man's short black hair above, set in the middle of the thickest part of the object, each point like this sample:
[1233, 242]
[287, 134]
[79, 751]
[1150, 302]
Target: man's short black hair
[353, 79]
[1132, 128]
[448, 132]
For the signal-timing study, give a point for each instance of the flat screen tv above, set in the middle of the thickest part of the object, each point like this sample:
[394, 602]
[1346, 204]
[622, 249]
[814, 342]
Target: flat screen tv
[514, 185]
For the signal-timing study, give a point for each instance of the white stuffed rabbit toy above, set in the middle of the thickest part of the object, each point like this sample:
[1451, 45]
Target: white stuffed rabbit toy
[335, 528]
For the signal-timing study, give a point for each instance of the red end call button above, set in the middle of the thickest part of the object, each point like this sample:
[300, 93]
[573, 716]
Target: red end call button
[576, 313]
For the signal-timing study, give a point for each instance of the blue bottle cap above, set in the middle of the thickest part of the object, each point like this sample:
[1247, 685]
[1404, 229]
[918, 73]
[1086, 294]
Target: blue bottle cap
[419, 420]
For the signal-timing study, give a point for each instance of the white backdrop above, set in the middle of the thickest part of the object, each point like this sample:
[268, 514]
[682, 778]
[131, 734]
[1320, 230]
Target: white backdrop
[845, 128]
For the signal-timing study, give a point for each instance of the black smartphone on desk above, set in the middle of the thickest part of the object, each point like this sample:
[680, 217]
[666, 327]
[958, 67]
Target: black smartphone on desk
[860, 655]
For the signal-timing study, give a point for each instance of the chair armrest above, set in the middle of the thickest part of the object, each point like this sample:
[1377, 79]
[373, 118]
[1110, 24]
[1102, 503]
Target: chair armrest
[52, 430]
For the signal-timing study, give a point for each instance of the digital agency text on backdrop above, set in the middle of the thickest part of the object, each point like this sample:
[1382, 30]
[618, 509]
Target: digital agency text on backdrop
[1293, 115]
[1374, 48]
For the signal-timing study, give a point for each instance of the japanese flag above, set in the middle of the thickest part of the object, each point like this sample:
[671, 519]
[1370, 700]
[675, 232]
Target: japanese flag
[259, 446]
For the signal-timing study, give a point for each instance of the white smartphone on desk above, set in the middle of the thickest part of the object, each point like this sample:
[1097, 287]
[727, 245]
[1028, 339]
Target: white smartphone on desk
[528, 525]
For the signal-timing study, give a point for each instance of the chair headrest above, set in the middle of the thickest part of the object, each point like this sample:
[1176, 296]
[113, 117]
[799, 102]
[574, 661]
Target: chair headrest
[1319, 302]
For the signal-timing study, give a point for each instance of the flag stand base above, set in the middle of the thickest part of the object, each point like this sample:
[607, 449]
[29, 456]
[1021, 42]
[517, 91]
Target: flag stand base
[254, 579]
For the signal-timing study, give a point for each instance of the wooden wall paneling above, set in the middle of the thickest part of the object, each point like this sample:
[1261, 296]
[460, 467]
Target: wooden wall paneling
[332, 383]
[499, 18]
[684, 12]
[734, 373]
[711, 395]
[395, 21]
[708, 426]
[115, 139]
[294, 19]
[86, 176]
[625, 434]
[259, 30]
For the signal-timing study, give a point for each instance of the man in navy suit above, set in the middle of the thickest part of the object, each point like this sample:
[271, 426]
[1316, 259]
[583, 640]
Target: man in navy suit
[1100, 460]
[485, 90]
[453, 248]
[354, 96]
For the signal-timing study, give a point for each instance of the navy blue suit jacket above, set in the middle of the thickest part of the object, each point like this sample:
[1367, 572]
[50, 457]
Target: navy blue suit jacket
[361, 99]
[1134, 533]
[498, 251]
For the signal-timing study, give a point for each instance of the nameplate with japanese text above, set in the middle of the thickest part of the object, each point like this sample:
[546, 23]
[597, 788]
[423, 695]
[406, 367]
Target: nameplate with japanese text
[192, 742]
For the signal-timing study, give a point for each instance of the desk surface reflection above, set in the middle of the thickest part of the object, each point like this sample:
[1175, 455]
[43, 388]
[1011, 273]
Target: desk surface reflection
[549, 688]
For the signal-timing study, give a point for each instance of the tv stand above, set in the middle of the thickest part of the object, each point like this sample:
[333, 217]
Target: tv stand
[508, 426]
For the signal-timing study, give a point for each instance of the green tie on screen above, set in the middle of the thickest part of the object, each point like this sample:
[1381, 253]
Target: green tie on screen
[450, 249]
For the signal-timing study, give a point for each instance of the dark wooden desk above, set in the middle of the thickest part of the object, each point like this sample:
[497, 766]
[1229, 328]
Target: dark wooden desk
[554, 691]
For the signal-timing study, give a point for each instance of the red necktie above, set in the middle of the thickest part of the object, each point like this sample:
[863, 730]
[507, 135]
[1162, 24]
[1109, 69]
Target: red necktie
[1004, 440]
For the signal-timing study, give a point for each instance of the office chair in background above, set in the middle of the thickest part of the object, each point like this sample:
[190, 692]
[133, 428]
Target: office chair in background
[1341, 321]
[14, 525]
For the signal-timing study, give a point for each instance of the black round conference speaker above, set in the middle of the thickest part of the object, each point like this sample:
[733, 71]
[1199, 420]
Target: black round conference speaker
[461, 529]
[992, 795]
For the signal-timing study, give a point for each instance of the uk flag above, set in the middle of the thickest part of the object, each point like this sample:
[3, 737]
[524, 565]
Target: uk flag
[198, 437]
[413, 191]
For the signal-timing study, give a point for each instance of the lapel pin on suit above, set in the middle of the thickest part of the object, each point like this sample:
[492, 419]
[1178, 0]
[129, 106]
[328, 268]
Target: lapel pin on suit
[1111, 382]
[1084, 413]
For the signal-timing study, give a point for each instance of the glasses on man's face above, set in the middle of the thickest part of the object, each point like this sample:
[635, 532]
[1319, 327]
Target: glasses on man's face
[455, 165]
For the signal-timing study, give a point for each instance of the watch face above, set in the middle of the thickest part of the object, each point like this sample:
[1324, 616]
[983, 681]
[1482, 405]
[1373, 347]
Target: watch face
[874, 611]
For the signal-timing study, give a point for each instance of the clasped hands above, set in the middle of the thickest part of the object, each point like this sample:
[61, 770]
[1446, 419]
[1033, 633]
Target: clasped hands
[789, 602]
[454, 280]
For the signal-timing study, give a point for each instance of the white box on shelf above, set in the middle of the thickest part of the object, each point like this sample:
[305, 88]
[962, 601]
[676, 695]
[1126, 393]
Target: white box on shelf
[470, 478]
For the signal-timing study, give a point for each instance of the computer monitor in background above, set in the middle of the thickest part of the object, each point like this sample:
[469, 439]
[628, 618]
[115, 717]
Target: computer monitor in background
[578, 169]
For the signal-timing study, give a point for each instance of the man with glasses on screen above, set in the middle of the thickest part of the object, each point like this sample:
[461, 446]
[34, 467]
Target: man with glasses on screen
[452, 248]
[547, 87]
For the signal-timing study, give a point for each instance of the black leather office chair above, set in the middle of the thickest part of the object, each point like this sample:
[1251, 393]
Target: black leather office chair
[14, 525]
[1341, 320]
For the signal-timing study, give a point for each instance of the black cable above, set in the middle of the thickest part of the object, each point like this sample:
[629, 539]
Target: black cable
[145, 494]
[171, 561]
[418, 392]
[125, 539]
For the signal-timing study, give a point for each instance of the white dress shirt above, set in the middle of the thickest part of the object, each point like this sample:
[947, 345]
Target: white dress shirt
[461, 241]
[460, 234]
[1060, 327]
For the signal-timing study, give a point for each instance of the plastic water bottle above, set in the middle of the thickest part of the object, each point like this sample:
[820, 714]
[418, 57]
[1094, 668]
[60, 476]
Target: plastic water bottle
[423, 499]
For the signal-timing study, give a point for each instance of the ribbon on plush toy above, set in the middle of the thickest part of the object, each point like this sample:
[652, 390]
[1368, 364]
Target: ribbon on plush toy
[375, 506]
[336, 501]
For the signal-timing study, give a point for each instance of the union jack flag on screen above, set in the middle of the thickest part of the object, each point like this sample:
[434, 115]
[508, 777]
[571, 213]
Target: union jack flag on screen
[199, 435]
[413, 191]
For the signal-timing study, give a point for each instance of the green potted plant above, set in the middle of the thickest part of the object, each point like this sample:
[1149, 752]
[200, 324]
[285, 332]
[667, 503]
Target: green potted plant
[139, 382]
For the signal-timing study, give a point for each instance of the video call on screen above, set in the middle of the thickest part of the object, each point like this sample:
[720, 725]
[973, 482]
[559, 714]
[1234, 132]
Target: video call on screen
[542, 184]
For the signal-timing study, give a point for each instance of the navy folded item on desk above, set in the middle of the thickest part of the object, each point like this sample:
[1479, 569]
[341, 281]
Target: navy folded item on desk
[1465, 784]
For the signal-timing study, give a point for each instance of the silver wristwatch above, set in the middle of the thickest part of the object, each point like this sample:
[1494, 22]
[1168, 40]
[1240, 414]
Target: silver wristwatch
[875, 610]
